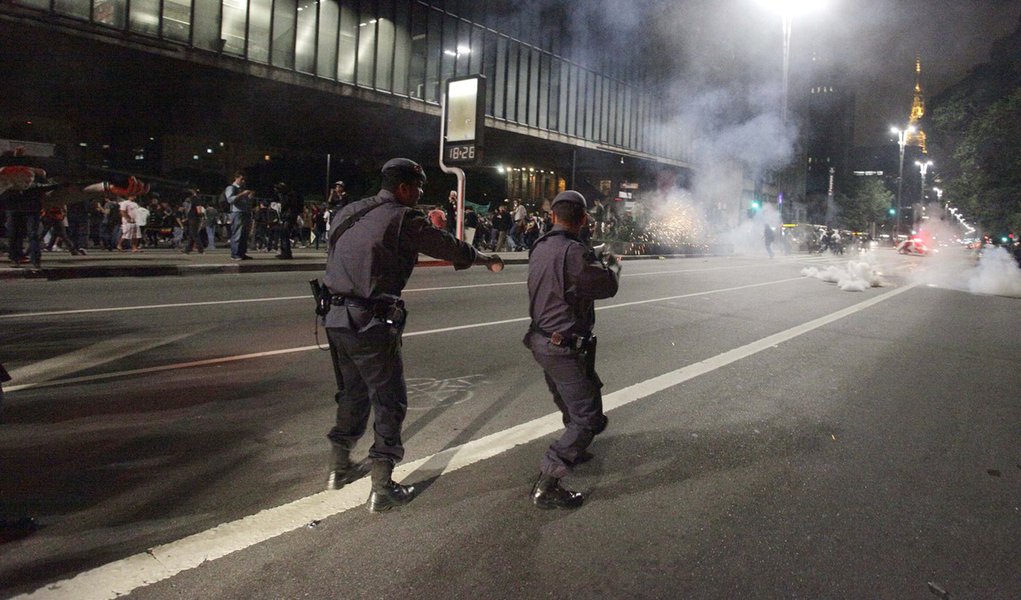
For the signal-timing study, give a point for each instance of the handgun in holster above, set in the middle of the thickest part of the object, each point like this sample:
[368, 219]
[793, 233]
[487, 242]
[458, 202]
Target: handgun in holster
[391, 311]
[588, 350]
[322, 297]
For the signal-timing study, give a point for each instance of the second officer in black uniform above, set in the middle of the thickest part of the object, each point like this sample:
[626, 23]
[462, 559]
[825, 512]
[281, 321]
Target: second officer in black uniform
[564, 279]
[374, 244]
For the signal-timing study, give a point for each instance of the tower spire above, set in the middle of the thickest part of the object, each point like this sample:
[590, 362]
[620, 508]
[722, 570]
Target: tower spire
[917, 109]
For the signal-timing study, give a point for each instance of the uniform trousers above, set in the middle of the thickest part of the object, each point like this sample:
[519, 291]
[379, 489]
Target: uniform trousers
[370, 374]
[578, 397]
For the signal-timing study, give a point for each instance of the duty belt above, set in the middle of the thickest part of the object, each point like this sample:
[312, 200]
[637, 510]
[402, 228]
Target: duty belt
[389, 309]
[564, 340]
[366, 303]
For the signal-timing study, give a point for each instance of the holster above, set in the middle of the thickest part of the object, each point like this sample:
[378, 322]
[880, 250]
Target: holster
[588, 351]
[322, 297]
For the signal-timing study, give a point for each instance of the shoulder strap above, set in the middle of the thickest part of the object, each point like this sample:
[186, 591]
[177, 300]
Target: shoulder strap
[351, 220]
[549, 234]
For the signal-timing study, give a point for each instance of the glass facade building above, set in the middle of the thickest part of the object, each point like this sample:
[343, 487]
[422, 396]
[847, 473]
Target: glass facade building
[404, 49]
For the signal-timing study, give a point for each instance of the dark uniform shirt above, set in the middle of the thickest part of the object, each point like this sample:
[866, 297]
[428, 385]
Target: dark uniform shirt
[564, 280]
[375, 257]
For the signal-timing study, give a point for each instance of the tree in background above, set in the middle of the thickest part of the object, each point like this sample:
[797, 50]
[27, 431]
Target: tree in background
[868, 203]
[976, 134]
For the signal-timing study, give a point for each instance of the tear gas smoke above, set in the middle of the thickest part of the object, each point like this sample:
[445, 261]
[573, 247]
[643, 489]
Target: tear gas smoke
[855, 276]
[997, 274]
[952, 266]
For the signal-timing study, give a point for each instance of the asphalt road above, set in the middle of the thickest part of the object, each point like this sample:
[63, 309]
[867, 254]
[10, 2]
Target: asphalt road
[771, 436]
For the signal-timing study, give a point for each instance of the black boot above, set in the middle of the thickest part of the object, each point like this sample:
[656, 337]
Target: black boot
[547, 493]
[343, 471]
[385, 493]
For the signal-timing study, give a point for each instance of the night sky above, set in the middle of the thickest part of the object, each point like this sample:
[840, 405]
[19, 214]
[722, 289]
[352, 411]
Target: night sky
[714, 43]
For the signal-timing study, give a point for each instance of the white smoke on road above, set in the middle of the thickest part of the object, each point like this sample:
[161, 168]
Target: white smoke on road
[856, 275]
[747, 237]
[997, 273]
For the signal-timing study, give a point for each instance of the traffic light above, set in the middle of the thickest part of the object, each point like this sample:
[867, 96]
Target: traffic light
[893, 211]
[754, 208]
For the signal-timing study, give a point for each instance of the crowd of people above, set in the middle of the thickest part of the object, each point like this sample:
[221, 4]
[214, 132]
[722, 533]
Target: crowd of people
[510, 227]
[190, 222]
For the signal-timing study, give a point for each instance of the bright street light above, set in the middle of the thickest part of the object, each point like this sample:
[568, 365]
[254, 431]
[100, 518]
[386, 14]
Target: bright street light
[787, 10]
[902, 140]
[923, 167]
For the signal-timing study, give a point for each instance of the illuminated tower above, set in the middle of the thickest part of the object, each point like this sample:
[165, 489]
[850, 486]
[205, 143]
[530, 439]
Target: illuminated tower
[917, 110]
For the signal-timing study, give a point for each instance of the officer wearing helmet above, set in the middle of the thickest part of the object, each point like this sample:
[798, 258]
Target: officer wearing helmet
[565, 277]
[373, 246]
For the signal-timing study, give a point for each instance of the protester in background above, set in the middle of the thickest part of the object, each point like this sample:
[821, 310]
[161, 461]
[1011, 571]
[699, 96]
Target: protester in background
[519, 216]
[240, 202]
[451, 212]
[55, 225]
[212, 222]
[291, 206]
[471, 224]
[438, 217]
[129, 224]
[194, 219]
[111, 223]
[502, 224]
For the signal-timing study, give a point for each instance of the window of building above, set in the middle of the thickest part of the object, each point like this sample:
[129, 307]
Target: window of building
[365, 60]
[347, 43]
[285, 15]
[232, 31]
[260, 16]
[329, 29]
[72, 8]
[402, 47]
[434, 38]
[177, 20]
[385, 40]
[145, 17]
[555, 93]
[419, 50]
[105, 12]
[206, 26]
[523, 93]
[305, 40]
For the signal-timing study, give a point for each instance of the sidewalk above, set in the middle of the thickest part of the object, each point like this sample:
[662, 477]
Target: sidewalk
[155, 262]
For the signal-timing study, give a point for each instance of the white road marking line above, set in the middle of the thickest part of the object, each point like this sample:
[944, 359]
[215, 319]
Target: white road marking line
[235, 358]
[165, 561]
[91, 356]
[83, 311]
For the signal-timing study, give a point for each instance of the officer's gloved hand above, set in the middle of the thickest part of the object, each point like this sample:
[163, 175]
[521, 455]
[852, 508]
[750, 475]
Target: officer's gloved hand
[493, 262]
[612, 261]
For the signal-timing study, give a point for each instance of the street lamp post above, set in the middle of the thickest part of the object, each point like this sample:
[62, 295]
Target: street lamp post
[923, 167]
[902, 141]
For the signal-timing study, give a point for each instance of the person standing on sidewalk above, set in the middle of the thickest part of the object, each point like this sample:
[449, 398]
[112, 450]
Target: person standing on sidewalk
[291, 205]
[130, 229]
[373, 247]
[564, 279]
[194, 216]
[240, 202]
[212, 221]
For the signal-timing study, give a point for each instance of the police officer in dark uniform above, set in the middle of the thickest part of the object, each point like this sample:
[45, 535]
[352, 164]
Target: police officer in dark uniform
[564, 279]
[374, 244]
